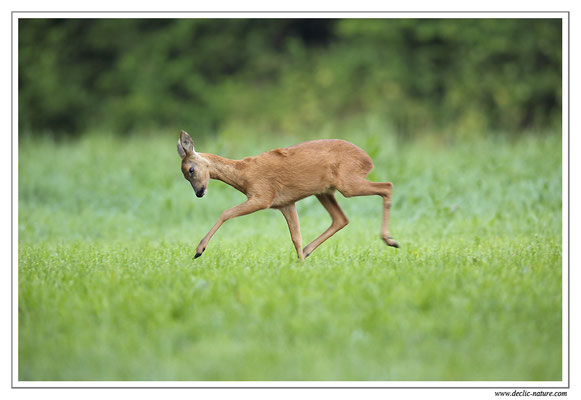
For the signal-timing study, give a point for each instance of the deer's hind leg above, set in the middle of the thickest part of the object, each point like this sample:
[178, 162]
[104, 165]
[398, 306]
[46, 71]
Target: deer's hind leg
[339, 221]
[363, 187]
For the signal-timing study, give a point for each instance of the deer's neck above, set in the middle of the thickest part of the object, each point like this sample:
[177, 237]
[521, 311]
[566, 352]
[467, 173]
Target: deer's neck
[226, 170]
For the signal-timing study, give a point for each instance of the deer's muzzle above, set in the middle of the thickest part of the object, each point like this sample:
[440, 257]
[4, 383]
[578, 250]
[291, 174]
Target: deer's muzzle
[201, 192]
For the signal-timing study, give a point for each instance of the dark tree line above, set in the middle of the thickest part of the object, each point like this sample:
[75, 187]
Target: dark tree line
[126, 75]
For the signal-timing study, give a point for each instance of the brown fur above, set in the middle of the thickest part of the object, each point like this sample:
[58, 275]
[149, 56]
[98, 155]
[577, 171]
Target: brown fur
[280, 177]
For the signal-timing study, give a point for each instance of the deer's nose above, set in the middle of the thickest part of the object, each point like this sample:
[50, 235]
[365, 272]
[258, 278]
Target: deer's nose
[201, 192]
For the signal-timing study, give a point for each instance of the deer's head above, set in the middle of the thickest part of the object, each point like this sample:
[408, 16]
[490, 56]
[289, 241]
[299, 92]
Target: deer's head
[194, 166]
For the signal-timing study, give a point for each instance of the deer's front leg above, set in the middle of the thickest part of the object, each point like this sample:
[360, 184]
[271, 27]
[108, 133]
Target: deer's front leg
[245, 208]
[292, 219]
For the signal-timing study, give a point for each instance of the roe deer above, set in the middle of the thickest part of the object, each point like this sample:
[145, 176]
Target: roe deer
[281, 177]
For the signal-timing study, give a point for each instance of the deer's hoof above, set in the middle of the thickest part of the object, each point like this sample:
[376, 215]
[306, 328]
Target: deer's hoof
[198, 252]
[390, 242]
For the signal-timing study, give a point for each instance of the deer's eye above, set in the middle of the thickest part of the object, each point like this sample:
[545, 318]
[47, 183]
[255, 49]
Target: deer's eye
[191, 170]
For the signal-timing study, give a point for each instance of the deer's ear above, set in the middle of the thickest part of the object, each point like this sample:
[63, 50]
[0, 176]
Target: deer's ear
[181, 150]
[186, 143]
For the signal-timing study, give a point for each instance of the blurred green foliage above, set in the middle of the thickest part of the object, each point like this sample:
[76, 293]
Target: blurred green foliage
[459, 76]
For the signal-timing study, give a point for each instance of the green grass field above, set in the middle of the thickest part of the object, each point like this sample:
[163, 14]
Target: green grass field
[108, 290]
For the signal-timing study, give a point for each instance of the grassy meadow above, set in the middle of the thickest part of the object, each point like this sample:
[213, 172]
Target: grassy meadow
[108, 289]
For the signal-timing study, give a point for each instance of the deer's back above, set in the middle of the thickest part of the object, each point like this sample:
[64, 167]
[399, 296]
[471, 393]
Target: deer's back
[308, 168]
